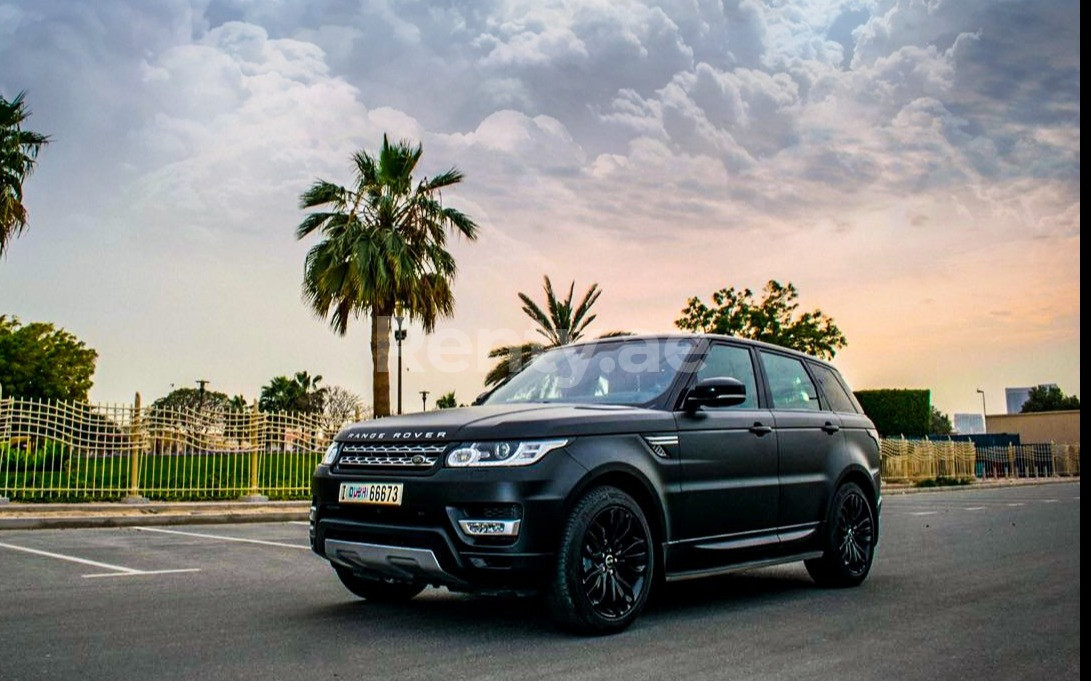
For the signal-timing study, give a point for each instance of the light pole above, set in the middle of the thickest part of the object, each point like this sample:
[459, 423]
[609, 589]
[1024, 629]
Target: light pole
[201, 383]
[984, 412]
[399, 336]
[424, 400]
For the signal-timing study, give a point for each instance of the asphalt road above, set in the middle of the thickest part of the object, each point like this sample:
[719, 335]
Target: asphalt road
[979, 584]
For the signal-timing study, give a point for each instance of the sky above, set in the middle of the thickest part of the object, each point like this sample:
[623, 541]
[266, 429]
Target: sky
[913, 167]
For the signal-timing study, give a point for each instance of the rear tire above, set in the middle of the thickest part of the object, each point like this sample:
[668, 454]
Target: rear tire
[849, 537]
[605, 564]
[377, 590]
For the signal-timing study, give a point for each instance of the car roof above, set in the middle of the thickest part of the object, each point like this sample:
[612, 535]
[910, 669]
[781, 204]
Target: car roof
[702, 336]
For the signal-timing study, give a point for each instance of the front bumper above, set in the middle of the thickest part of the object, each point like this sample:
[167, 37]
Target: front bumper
[426, 538]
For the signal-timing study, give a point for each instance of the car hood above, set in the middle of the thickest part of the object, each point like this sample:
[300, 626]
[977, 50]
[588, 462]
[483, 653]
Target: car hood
[509, 421]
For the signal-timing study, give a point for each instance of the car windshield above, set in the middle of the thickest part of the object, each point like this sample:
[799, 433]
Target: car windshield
[623, 372]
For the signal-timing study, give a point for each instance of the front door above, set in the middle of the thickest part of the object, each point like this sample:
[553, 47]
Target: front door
[729, 470]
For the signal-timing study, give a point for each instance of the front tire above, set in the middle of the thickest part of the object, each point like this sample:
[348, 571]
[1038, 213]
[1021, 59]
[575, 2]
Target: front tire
[849, 540]
[605, 565]
[377, 590]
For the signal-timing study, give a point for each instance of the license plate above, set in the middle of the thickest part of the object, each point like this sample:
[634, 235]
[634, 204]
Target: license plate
[382, 493]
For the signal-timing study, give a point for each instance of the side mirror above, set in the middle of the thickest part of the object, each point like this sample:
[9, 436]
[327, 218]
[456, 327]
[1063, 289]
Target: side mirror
[480, 399]
[715, 392]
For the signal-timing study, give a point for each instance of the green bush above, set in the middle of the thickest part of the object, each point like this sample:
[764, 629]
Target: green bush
[943, 481]
[43, 455]
[898, 411]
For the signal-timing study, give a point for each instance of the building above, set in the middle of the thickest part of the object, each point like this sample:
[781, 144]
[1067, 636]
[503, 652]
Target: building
[1017, 397]
[1060, 427]
[969, 424]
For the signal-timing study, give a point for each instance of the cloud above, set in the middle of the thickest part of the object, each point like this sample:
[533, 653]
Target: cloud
[834, 144]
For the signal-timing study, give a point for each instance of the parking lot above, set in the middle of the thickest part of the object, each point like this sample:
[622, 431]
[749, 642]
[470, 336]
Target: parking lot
[980, 584]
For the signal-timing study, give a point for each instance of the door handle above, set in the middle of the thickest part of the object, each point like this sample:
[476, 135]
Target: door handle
[760, 429]
[831, 428]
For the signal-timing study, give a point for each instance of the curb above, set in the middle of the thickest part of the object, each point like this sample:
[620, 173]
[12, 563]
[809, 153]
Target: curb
[72, 522]
[898, 489]
[19, 516]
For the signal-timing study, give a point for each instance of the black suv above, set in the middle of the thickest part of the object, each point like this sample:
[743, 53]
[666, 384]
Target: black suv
[603, 468]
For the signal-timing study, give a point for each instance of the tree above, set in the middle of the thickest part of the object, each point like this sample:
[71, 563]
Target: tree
[447, 401]
[561, 323]
[342, 405]
[383, 249]
[299, 393]
[1049, 398]
[773, 320]
[18, 154]
[194, 399]
[940, 423]
[38, 360]
[181, 419]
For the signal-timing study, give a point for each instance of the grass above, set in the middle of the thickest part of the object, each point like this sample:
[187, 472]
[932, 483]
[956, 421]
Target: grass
[163, 477]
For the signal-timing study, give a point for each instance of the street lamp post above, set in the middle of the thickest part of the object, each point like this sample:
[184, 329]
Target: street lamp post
[424, 400]
[399, 336]
[984, 412]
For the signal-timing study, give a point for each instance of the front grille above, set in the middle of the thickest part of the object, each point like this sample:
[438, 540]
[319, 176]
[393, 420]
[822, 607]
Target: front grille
[408, 455]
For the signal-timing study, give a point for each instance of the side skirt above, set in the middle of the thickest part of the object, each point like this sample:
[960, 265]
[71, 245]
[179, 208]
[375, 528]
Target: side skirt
[765, 562]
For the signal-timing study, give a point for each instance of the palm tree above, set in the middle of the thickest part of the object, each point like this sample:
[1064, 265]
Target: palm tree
[299, 394]
[564, 323]
[18, 151]
[383, 249]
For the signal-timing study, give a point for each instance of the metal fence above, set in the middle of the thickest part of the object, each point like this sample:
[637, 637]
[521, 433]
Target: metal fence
[67, 451]
[911, 460]
[915, 460]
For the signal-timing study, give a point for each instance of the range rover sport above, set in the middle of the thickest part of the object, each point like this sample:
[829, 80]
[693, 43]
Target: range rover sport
[604, 468]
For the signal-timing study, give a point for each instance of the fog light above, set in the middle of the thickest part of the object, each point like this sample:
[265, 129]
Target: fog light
[490, 528]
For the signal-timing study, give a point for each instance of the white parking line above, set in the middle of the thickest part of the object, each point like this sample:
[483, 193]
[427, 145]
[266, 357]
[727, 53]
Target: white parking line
[118, 570]
[223, 538]
[1050, 501]
[975, 508]
[304, 522]
[141, 573]
[1018, 503]
[924, 513]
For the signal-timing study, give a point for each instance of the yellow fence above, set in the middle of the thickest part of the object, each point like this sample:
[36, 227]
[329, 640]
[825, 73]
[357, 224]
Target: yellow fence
[910, 460]
[915, 460]
[65, 451]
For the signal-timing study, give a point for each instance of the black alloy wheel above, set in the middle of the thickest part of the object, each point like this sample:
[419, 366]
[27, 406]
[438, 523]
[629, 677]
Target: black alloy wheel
[850, 534]
[855, 533]
[605, 564]
[614, 563]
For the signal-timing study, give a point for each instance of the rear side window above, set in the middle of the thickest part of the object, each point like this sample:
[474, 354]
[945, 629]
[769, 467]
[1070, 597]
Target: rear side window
[832, 390]
[732, 361]
[790, 386]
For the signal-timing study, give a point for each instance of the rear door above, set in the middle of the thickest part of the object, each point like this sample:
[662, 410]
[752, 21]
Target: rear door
[729, 467]
[809, 435]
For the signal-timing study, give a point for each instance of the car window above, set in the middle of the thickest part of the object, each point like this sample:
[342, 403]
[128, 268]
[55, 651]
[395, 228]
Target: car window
[789, 385]
[831, 388]
[731, 361]
[629, 372]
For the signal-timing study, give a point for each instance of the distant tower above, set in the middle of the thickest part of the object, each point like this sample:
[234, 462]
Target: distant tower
[969, 424]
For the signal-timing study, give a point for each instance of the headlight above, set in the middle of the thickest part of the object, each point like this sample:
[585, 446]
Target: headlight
[501, 453]
[331, 454]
